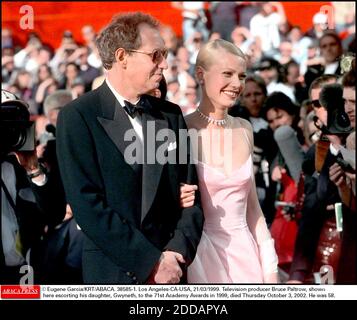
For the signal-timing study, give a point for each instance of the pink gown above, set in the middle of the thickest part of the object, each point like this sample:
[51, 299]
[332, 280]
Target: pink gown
[227, 252]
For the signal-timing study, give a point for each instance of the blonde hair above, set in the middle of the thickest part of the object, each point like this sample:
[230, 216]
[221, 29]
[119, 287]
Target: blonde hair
[206, 58]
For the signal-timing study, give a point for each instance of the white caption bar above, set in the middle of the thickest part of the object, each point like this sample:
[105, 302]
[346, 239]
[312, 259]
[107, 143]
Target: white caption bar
[199, 292]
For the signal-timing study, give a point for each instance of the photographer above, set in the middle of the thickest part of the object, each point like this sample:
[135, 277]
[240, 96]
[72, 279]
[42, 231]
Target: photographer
[343, 172]
[321, 239]
[58, 255]
[31, 200]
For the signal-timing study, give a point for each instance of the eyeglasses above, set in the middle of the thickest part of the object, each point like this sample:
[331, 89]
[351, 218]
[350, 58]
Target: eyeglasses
[156, 56]
[316, 103]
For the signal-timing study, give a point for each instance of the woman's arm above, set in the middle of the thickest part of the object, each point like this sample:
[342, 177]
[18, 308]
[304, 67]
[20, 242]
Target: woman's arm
[258, 227]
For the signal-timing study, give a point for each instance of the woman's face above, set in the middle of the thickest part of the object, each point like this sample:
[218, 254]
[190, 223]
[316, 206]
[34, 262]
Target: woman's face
[301, 123]
[24, 80]
[71, 72]
[278, 117]
[43, 73]
[224, 79]
[253, 98]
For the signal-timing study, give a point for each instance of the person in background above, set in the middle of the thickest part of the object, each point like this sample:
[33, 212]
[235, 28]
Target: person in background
[194, 18]
[283, 117]
[31, 200]
[265, 26]
[331, 50]
[250, 107]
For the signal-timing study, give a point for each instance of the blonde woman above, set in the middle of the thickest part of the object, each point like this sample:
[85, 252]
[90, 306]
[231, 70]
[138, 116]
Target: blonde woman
[236, 246]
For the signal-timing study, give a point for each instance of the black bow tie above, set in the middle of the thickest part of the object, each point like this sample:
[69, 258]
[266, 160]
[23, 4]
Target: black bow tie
[132, 109]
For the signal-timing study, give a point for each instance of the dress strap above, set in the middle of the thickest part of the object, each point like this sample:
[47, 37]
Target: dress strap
[250, 145]
[246, 136]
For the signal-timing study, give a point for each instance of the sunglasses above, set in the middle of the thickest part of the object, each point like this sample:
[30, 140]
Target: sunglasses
[156, 56]
[316, 103]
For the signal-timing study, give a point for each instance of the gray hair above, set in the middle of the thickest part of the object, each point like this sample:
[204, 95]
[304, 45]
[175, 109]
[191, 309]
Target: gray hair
[57, 100]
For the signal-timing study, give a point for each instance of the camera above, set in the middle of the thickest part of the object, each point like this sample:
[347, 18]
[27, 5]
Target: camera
[16, 130]
[345, 165]
[338, 122]
[287, 207]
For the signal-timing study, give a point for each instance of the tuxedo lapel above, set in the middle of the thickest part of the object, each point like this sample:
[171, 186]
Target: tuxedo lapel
[115, 122]
[151, 169]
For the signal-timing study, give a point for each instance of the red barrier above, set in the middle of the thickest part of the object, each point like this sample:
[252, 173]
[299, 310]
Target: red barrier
[52, 18]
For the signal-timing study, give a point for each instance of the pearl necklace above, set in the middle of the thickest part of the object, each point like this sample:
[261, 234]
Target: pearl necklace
[220, 123]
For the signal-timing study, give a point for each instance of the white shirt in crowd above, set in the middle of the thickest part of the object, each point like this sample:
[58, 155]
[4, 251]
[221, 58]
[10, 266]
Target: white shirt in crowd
[267, 29]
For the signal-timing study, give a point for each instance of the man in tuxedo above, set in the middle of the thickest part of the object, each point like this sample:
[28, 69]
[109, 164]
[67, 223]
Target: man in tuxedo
[135, 230]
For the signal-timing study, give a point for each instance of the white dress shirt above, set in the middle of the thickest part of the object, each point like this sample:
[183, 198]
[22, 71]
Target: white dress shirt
[136, 121]
[335, 151]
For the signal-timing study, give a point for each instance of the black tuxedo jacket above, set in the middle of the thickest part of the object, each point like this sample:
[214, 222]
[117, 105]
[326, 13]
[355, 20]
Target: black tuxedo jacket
[315, 71]
[129, 213]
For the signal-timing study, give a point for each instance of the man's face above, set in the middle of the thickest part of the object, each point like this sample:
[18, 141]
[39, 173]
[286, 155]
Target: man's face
[269, 74]
[88, 34]
[320, 112]
[349, 95]
[330, 49]
[286, 49]
[267, 8]
[144, 74]
[293, 74]
[52, 116]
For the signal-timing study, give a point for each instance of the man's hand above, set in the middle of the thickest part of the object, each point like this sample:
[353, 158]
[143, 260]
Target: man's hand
[286, 215]
[352, 176]
[337, 175]
[294, 282]
[167, 270]
[27, 159]
[187, 195]
[277, 173]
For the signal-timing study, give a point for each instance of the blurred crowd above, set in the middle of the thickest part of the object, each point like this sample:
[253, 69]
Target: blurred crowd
[299, 134]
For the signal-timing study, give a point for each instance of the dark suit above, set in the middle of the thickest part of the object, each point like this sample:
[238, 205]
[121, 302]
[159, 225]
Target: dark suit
[35, 207]
[315, 71]
[129, 213]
